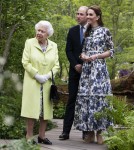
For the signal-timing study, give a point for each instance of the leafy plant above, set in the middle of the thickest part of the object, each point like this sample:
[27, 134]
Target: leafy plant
[12, 125]
[118, 111]
[121, 136]
[20, 145]
[120, 139]
[59, 110]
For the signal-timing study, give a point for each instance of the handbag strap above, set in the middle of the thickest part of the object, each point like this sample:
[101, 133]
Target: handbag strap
[53, 82]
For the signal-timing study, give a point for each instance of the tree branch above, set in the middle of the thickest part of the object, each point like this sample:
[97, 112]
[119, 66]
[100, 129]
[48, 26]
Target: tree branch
[7, 46]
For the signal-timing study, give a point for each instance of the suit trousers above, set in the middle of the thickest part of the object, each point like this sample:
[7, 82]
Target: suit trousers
[70, 107]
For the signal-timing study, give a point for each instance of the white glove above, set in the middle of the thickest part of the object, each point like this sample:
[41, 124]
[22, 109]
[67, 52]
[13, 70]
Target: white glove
[39, 78]
[46, 77]
[42, 78]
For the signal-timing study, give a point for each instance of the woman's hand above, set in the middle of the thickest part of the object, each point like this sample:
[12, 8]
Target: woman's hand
[84, 57]
[93, 57]
[42, 78]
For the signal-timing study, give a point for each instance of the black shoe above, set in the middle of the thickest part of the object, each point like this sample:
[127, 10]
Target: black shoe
[64, 136]
[44, 141]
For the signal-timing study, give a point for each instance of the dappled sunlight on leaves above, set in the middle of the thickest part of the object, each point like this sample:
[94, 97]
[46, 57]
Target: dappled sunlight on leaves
[8, 120]
[2, 60]
[14, 78]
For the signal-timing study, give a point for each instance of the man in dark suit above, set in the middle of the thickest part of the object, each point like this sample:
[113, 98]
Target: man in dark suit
[73, 51]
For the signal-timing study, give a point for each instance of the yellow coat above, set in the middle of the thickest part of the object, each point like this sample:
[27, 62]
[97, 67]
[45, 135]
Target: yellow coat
[35, 61]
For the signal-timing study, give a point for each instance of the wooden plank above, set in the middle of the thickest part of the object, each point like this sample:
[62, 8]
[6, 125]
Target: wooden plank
[74, 143]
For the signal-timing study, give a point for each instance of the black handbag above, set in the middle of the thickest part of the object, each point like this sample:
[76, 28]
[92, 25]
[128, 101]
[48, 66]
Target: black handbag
[54, 95]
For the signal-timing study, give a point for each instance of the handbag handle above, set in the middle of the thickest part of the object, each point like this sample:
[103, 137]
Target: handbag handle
[53, 82]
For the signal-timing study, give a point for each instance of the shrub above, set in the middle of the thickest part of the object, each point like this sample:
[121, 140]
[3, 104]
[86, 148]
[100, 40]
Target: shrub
[59, 110]
[121, 136]
[12, 125]
[20, 145]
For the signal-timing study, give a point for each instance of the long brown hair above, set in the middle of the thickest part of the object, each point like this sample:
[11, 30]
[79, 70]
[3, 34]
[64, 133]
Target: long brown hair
[98, 12]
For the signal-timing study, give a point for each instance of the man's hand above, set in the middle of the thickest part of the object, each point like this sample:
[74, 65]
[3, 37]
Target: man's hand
[78, 68]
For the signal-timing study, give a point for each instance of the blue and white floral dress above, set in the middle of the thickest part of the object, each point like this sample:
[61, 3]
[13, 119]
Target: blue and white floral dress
[94, 84]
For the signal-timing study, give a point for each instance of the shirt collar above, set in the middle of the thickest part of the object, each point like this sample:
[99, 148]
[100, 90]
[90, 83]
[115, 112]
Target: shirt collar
[85, 26]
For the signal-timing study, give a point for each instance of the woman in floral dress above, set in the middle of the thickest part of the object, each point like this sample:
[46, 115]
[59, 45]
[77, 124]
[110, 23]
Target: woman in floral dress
[94, 84]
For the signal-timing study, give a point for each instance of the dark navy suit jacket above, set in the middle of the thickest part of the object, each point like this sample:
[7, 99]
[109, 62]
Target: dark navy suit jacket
[73, 48]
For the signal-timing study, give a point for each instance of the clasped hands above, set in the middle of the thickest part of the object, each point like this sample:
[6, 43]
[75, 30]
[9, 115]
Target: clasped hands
[86, 58]
[42, 78]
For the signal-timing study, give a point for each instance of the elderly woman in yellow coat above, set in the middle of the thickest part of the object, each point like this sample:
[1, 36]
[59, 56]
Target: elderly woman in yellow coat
[40, 56]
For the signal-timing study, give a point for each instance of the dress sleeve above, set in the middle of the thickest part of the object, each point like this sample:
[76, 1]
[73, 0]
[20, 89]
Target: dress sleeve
[109, 43]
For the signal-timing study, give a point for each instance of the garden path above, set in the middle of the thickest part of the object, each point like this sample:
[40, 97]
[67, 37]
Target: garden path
[74, 143]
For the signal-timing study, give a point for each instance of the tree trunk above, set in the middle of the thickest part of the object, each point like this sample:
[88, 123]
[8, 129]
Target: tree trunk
[7, 47]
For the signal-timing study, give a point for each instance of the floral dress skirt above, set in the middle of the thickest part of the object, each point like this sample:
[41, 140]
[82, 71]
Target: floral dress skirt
[88, 113]
[41, 101]
[91, 101]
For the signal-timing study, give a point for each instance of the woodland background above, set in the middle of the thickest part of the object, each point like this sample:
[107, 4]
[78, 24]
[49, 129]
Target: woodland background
[17, 20]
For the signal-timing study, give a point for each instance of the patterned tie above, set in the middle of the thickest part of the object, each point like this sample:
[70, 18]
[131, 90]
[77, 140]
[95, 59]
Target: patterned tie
[81, 34]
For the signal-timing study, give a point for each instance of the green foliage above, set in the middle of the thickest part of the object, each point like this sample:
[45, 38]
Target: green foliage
[59, 110]
[121, 139]
[130, 119]
[121, 136]
[61, 13]
[117, 16]
[20, 145]
[128, 62]
[12, 126]
[119, 111]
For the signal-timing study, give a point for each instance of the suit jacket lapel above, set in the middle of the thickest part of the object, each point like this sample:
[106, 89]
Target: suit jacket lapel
[78, 35]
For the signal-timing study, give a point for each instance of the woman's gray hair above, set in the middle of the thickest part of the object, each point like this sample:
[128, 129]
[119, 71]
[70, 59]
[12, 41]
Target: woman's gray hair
[47, 25]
